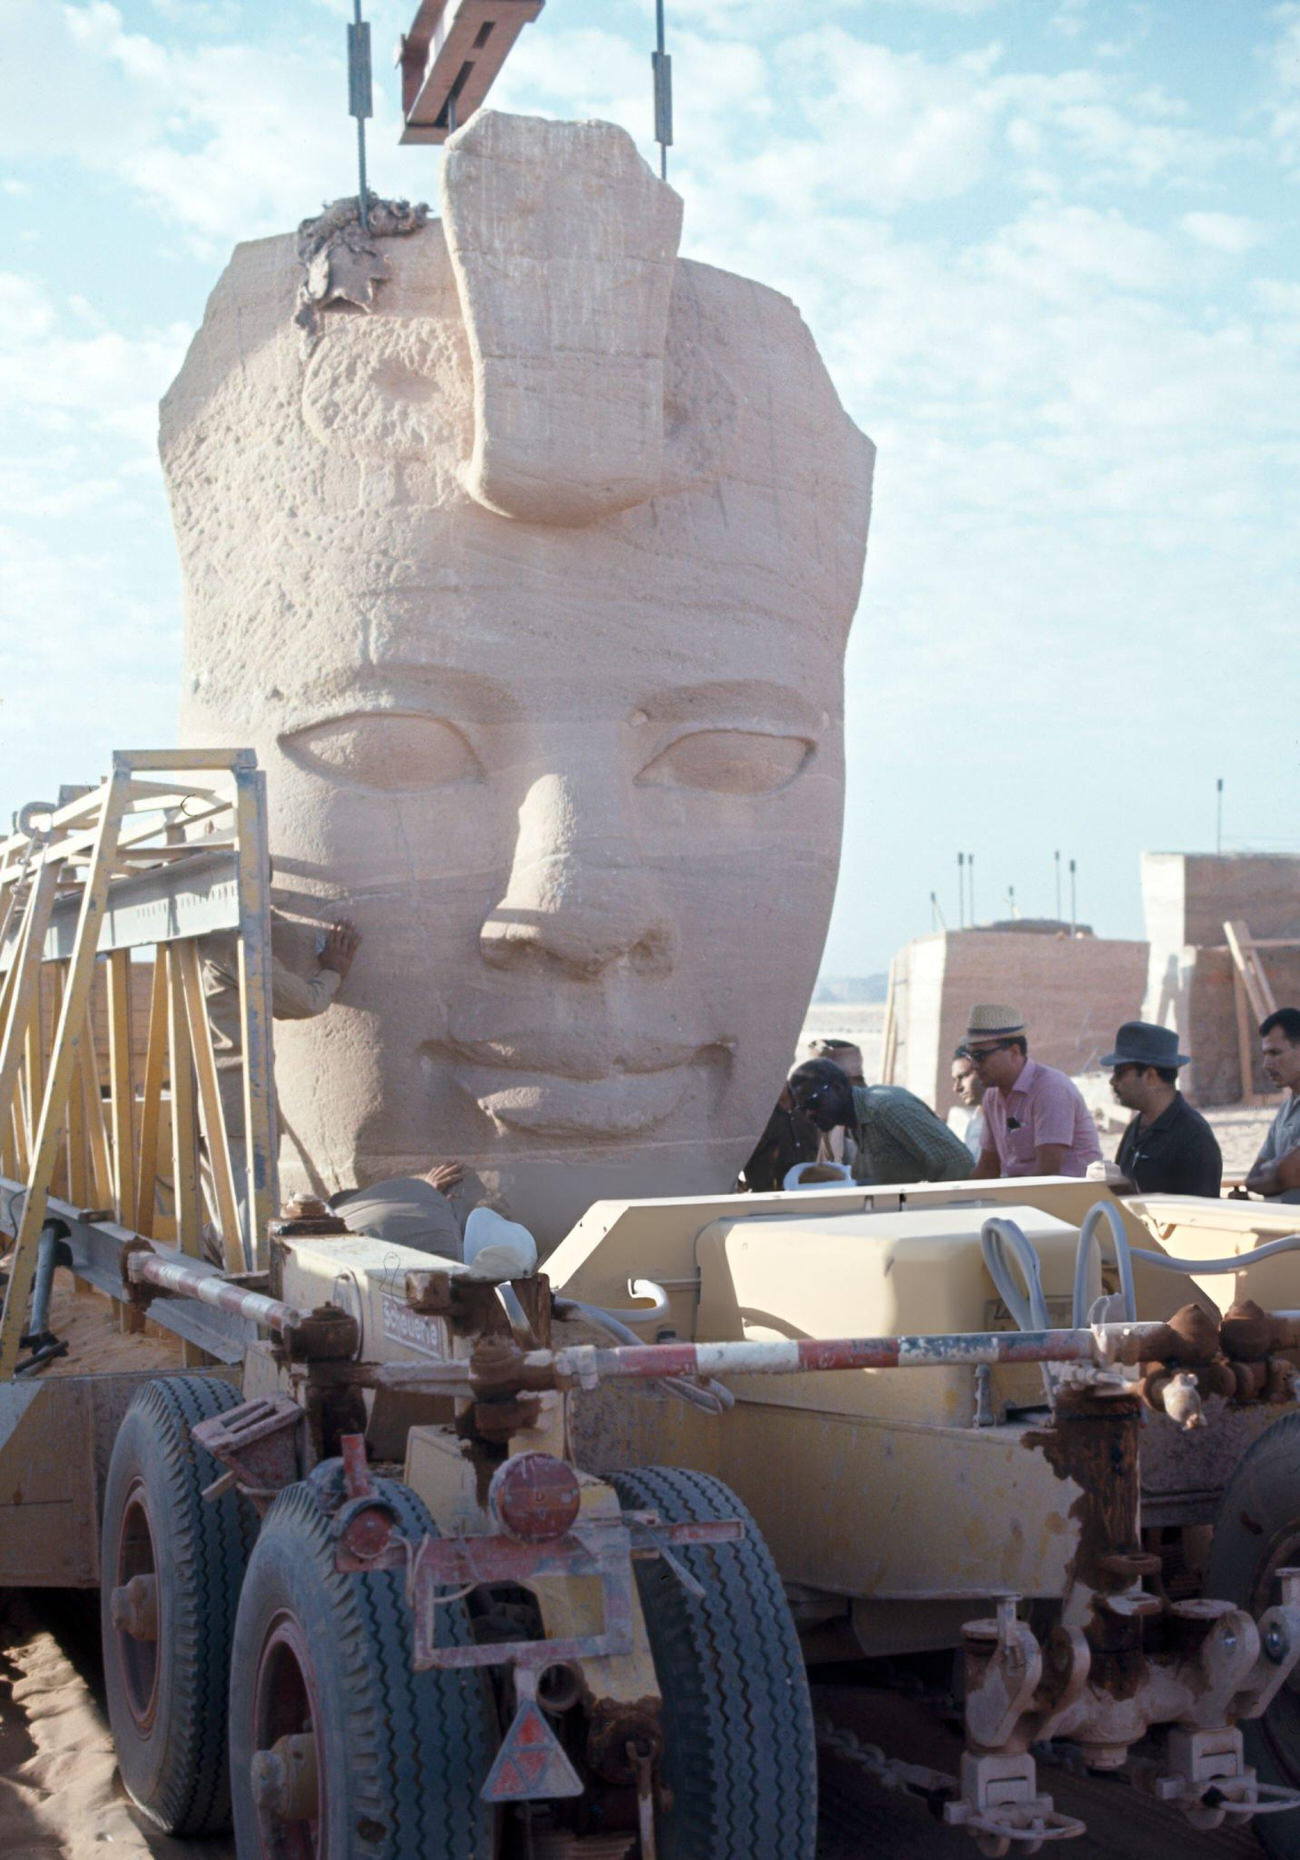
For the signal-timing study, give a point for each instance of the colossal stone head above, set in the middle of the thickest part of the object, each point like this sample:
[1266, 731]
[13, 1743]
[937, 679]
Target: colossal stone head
[530, 584]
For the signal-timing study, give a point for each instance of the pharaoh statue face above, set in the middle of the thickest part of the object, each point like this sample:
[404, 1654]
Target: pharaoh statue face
[530, 585]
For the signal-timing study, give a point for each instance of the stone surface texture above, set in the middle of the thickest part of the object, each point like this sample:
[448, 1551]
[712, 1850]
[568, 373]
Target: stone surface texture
[531, 587]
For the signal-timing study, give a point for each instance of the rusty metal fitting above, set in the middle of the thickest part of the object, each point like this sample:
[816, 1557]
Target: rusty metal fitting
[429, 1293]
[1104, 1756]
[136, 1293]
[133, 1608]
[500, 1421]
[303, 1216]
[1250, 1334]
[366, 1529]
[1129, 1567]
[1251, 1380]
[328, 1335]
[499, 1370]
[1283, 1384]
[1192, 1338]
[496, 1368]
[560, 1687]
[284, 1778]
[616, 1727]
[1192, 1621]
[534, 1497]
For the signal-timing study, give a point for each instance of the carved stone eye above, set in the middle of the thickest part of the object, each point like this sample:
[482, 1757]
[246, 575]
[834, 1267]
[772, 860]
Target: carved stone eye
[728, 762]
[392, 751]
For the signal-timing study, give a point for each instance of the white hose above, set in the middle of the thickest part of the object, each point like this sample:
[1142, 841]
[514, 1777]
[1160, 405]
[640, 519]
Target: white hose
[711, 1396]
[1238, 1262]
[1125, 1254]
[1001, 1241]
[1088, 1238]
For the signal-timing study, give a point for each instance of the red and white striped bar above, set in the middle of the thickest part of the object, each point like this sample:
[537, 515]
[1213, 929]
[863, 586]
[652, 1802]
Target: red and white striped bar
[211, 1288]
[1101, 1345]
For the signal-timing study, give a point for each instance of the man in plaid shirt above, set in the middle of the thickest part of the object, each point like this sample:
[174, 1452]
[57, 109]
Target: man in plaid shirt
[896, 1137]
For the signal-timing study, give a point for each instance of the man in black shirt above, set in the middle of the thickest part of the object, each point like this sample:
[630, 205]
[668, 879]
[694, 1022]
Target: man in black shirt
[1168, 1149]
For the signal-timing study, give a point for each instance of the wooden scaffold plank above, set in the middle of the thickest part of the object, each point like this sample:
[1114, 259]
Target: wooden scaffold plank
[73, 1028]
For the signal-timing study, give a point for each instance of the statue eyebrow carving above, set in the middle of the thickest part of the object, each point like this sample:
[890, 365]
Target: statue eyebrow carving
[418, 689]
[755, 703]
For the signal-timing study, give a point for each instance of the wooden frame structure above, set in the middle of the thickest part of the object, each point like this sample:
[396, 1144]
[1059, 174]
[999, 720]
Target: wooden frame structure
[1253, 997]
[170, 848]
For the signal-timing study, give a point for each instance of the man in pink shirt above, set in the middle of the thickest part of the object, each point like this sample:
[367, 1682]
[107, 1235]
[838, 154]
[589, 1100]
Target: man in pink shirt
[1035, 1120]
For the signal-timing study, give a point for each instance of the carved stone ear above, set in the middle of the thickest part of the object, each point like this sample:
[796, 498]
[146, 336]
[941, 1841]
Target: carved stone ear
[564, 246]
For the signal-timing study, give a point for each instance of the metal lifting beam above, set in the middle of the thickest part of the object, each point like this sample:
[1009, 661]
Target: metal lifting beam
[450, 58]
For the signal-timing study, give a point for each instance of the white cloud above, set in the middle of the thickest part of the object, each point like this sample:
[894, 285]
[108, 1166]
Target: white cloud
[26, 313]
[1282, 61]
[227, 140]
[63, 377]
[1233, 233]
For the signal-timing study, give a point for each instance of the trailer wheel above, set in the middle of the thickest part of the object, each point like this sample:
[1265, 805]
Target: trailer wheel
[339, 1749]
[170, 1571]
[740, 1761]
[1256, 1533]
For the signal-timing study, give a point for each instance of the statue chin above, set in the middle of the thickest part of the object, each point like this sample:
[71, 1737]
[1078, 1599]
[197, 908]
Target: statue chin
[527, 568]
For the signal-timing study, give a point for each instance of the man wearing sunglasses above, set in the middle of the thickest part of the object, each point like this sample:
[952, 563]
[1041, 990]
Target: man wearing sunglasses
[1035, 1120]
[1168, 1149]
[897, 1137]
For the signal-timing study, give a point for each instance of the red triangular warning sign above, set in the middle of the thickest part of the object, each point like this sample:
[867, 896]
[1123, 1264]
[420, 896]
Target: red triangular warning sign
[531, 1765]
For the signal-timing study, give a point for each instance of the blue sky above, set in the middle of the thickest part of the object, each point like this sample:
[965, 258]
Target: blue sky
[1048, 248]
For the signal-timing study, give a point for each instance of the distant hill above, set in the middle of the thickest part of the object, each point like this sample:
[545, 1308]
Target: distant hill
[832, 988]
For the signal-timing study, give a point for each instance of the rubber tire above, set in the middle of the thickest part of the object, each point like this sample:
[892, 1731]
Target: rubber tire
[740, 1756]
[1259, 1511]
[177, 1774]
[406, 1753]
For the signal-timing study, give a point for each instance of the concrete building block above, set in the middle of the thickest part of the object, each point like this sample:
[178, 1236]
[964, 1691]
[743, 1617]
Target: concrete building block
[1187, 898]
[1073, 992]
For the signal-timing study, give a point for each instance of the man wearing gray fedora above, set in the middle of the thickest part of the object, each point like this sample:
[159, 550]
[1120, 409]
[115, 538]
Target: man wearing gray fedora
[1168, 1149]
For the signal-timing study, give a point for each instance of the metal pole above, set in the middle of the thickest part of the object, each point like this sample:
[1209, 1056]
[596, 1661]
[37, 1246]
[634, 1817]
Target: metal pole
[970, 885]
[213, 1288]
[1218, 819]
[662, 67]
[1104, 1344]
[1074, 910]
[360, 101]
[1057, 858]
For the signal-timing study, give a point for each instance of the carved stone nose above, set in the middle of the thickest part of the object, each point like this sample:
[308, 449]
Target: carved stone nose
[574, 896]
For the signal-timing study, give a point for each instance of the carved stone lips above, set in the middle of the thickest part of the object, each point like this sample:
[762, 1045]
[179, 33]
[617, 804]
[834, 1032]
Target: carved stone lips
[567, 1084]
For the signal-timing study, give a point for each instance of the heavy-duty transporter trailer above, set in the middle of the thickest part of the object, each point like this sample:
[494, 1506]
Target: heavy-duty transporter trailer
[397, 1559]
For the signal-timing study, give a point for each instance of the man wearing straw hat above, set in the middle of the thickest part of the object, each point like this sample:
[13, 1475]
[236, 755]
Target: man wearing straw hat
[1168, 1149]
[1035, 1120]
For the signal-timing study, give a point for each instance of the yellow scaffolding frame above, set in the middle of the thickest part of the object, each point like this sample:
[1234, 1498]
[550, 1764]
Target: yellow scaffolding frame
[137, 863]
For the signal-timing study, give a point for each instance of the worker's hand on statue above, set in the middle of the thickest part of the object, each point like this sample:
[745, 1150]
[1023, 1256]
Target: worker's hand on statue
[446, 1176]
[341, 946]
